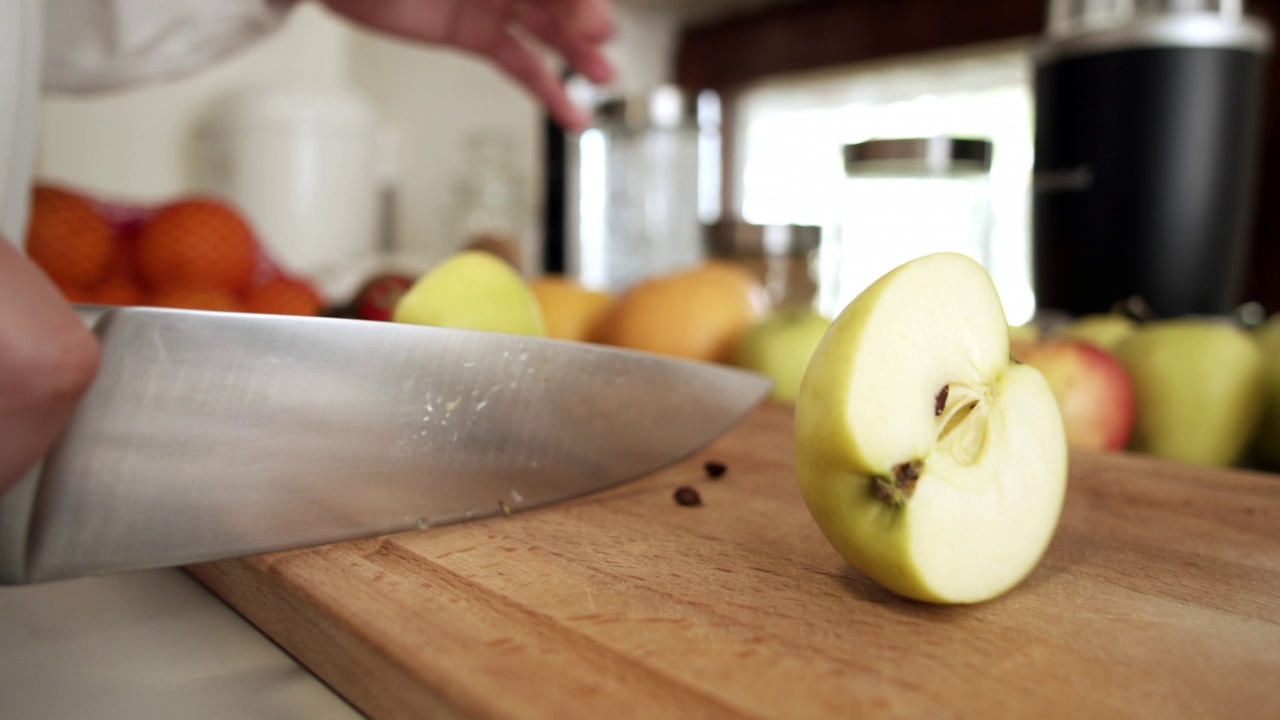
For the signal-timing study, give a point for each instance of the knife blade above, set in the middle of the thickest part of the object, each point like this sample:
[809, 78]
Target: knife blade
[213, 435]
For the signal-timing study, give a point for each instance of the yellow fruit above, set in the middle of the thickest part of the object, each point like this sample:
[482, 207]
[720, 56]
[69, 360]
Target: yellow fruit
[1106, 330]
[698, 314]
[572, 312]
[780, 347]
[473, 290]
[1022, 337]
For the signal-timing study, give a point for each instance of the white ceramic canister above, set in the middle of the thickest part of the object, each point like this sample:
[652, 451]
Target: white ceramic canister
[302, 163]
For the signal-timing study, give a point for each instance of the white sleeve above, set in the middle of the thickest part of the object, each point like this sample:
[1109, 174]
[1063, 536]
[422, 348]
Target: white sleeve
[106, 44]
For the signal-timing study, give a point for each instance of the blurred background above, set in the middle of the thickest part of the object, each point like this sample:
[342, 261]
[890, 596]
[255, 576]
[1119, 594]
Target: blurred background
[352, 154]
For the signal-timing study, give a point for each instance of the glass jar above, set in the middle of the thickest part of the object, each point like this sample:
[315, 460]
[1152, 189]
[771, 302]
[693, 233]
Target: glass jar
[491, 204]
[640, 185]
[781, 257]
[905, 198]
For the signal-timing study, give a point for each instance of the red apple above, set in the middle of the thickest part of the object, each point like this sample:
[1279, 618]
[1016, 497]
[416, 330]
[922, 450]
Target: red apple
[377, 299]
[1093, 390]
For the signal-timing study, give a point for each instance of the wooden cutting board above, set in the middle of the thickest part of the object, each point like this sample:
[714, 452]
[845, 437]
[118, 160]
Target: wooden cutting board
[1159, 598]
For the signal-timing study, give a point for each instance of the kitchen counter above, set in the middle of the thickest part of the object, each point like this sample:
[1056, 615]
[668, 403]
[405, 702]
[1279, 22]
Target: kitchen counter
[145, 645]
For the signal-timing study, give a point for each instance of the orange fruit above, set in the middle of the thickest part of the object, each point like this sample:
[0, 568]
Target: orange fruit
[121, 285]
[698, 314]
[571, 311]
[197, 241]
[118, 290]
[284, 296]
[68, 238]
[77, 293]
[195, 297]
[734, 273]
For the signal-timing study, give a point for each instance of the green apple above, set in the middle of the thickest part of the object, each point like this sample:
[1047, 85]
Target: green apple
[1267, 445]
[1198, 388]
[932, 463]
[475, 290]
[1106, 330]
[780, 347]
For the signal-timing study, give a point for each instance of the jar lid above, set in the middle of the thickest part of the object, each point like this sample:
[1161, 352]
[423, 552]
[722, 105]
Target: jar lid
[734, 238]
[664, 106]
[1086, 27]
[1067, 17]
[918, 156]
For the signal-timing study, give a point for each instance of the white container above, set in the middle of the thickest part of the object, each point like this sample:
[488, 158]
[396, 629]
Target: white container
[905, 198]
[303, 164]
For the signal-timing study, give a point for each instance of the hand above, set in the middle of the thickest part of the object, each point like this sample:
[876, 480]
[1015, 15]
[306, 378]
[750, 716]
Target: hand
[501, 30]
[47, 360]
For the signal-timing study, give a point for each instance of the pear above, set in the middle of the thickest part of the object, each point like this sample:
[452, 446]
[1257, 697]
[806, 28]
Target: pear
[1198, 387]
[1267, 445]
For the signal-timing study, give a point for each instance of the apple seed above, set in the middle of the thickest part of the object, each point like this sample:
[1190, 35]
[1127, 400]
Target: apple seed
[687, 496]
[897, 491]
[940, 402]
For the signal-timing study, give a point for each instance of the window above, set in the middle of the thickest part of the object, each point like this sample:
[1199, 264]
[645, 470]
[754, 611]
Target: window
[791, 130]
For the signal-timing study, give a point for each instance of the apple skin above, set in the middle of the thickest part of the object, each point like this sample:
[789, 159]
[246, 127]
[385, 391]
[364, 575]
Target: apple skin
[1093, 391]
[473, 290]
[1267, 443]
[1021, 336]
[1106, 330]
[1198, 386]
[377, 298]
[780, 347]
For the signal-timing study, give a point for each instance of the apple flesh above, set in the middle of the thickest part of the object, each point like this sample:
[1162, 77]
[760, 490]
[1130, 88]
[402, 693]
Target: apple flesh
[1199, 387]
[931, 462]
[1092, 388]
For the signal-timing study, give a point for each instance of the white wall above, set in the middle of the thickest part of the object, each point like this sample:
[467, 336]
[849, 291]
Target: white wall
[435, 100]
[136, 144]
[643, 47]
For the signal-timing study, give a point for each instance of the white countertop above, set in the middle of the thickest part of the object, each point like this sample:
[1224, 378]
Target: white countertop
[153, 644]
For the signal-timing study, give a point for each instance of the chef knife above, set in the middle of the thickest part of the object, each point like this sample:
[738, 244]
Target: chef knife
[214, 435]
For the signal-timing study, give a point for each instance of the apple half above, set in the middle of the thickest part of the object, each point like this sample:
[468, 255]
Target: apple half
[931, 461]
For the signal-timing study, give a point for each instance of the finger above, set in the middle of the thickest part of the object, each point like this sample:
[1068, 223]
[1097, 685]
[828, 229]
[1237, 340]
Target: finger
[47, 359]
[591, 20]
[479, 25]
[519, 61]
[552, 30]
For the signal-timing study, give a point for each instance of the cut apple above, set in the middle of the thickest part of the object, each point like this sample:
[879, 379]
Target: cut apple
[930, 461]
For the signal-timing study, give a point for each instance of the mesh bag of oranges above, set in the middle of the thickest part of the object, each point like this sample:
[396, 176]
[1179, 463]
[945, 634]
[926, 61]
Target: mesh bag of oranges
[196, 253]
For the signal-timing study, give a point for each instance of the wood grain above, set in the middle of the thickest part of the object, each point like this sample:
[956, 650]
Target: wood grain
[1159, 597]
